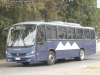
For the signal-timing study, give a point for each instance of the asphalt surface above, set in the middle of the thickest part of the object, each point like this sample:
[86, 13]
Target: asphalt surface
[12, 68]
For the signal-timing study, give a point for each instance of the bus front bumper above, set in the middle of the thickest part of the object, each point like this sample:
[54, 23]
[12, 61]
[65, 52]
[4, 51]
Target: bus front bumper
[29, 58]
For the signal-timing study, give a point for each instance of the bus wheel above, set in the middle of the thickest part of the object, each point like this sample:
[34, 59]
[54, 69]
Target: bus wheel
[81, 55]
[26, 63]
[51, 58]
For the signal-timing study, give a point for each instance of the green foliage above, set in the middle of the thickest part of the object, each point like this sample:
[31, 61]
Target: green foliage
[50, 9]
[4, 22]
[83, 12]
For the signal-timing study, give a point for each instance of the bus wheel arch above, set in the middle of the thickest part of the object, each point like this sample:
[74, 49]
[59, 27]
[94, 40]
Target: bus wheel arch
[53, 51]
[81, 55]
[51, 57]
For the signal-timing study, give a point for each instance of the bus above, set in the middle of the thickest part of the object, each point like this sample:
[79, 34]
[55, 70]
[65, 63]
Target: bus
[48, 42]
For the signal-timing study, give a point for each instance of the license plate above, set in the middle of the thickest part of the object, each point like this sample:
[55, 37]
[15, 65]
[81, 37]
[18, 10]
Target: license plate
[17, 58]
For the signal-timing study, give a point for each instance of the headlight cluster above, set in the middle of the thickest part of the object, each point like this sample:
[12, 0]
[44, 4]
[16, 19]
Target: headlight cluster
[8, 53]
[31, 53]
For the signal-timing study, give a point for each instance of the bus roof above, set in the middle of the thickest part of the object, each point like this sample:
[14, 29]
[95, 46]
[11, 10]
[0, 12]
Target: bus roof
[30, 22]
[54, 23]
[68, 24]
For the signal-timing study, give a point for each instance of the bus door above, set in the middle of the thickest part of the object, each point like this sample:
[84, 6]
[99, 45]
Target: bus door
[40, 38]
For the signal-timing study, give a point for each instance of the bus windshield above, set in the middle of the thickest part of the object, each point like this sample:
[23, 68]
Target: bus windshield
[21, 35]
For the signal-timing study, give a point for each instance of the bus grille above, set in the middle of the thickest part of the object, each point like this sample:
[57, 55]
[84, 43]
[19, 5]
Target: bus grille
[22, 59]
[18, 54]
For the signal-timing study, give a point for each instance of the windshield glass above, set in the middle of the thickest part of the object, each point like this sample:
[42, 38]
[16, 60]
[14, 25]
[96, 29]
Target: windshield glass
[21, 35]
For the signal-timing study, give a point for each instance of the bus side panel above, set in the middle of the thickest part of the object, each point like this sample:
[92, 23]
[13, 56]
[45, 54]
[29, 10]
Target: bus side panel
[42, 55]
[67, 54]
[43, 51]
[90, 47]
[59, 50]
[66, 49]
[69, 49]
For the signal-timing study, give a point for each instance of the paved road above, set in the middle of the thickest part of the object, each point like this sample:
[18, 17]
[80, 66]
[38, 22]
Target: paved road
[43, 69]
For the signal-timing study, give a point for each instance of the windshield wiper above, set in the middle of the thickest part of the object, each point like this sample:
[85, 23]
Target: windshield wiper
[13, 43]
[23, 42]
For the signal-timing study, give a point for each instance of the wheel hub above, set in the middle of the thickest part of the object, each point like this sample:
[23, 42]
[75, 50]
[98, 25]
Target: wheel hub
[82, 54]
[51, 58]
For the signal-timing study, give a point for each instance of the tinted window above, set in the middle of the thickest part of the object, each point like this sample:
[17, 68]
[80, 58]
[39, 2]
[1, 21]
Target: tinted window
[41, 34]
[92, 34]
[79, 33]
[51, 32]
[62, 33]
[86, 34]
[71, 33]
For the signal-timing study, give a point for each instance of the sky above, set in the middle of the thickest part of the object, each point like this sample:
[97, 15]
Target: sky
[98, 3]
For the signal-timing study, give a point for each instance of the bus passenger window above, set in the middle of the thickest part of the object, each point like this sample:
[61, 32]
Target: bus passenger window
[71, 33]
[92, 34]
[79, 33]
[62, 33]
[86, 34]
[51, 32]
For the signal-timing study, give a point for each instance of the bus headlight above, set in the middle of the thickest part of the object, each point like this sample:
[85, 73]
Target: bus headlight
[8, 53]
[31, 53]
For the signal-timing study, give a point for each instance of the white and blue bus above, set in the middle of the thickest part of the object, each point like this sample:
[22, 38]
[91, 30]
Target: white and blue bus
[49, 41]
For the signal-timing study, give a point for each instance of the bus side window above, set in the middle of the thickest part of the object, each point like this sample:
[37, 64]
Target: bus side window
[51, 32]
[71, 33]
[62, 33]
[41, 34]
[79, 33]
[92, 34]
[38, 36]
[86, 34]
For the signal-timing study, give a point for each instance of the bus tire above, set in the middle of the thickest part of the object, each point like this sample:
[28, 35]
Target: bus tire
[26, 63]
[51, 58]
[81, 55]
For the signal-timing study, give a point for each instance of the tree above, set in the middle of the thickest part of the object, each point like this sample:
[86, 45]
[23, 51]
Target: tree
[83, 12]
[50, 11]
